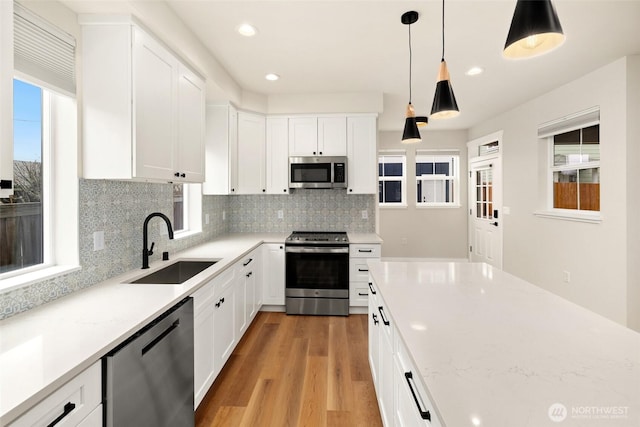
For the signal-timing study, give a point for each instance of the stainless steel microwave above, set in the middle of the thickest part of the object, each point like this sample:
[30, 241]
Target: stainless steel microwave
[318, 172]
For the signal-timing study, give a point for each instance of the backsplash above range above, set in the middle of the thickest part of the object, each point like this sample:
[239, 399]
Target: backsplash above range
[119, 208]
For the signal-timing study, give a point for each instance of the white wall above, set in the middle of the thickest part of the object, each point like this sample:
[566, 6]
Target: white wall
[325, 103]
[429, 232]
[633, 192]
[540, 249]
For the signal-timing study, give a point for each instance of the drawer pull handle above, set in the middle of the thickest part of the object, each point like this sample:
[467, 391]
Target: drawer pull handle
[375, 319]
[248, 262]
[160, 337]
[363, 270]
[363, 295]
[371, 287]
[424, 414]
[368, 251]
[68, 408]
[249, 274]
[384, 319]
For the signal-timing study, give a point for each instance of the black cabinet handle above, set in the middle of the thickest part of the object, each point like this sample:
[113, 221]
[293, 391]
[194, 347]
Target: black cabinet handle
[183, 175]
[177, 174]
[249, 274]
[314, 152]
[233, 189]
[218, 304]
[160, 337]
[363, 295]
[363, 270]
[321, 153]
[384, 319]
[263, 190]
[221, 300]
[280, 247]
[375, 319]
[68, 408]
[350, 190]
[495, 224]
[373, 291]
[285, 190]
[424, 414]
[248, 262]
[367, 251]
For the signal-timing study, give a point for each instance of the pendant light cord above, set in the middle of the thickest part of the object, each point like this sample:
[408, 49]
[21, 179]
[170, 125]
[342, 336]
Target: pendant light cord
[409, 63]
[442, 30]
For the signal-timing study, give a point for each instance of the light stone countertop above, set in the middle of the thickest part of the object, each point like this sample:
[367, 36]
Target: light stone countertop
[495, 350]
[43, 348]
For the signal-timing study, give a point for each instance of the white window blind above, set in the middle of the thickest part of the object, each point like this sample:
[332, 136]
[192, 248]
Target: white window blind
[571, 122]
[43, 51]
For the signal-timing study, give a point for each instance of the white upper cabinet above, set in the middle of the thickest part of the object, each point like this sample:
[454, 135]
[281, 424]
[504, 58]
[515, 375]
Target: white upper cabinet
[277, 155]
[361, 151]
[221, 150]
[251, 154]
[317, 136]
[332, 136]
[143, 109]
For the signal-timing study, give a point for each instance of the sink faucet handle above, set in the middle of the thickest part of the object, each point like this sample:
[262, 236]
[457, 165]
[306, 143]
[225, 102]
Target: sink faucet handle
[151, 248]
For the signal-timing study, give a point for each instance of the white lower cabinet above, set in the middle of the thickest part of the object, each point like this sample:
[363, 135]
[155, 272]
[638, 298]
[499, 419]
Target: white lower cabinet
[203, 321]
[359, 254]
[273, 273]
[73, 404]
[402, 396]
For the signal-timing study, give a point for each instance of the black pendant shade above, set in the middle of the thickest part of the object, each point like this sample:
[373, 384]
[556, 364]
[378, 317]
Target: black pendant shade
[535, 29]
[444, 101]
[411, 133]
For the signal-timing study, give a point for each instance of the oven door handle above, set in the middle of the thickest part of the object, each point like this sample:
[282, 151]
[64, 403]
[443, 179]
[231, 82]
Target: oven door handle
[316, 250]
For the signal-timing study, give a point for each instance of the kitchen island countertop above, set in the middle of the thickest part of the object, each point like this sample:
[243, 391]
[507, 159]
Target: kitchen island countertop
[495, 350]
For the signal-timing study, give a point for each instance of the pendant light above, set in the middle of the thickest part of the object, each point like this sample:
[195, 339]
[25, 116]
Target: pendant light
[535, 29]
[410, 134]
[444, 102]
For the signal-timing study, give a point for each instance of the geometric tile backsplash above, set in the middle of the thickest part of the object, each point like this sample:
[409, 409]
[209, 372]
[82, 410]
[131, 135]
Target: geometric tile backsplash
[119, 208]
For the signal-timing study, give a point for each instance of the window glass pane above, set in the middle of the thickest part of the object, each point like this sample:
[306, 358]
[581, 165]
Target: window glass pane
[392, 192]
[489, 148]
[566, 148]
[380, 169]
[21, 220]
[565, 190]
[442, 169]
[380, 192]
[589, 190]
[178, 207]
[393, 169]
[424, 169]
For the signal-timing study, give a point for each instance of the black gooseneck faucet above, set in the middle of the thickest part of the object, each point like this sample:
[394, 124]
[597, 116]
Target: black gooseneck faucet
[146, 252]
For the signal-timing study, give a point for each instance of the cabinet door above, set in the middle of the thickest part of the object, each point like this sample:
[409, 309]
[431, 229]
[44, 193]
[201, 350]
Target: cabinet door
[251, 154]
[386, 371]
[155, 108]
[191, 125]
[361, 153]
[203, 333]
[220, 138]
[277, 145]
[273, 274]
[241, 312]
[303, 136]
[223, 328]
[332, 136]
[374, 336]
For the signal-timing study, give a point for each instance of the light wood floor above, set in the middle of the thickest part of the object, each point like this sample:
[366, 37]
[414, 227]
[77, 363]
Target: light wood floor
[295, 371]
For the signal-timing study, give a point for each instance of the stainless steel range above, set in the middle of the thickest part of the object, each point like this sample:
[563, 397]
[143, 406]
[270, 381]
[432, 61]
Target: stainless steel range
[317, 273]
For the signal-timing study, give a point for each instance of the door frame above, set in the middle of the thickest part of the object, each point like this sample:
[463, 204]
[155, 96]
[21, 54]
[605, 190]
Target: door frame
[474, 158]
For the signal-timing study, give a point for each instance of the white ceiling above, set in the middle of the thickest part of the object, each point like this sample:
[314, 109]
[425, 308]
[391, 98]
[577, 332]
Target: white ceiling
[330, 46]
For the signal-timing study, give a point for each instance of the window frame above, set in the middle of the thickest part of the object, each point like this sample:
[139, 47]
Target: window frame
[403, 179]
[546, 133]
[455, 178]
[192, 210]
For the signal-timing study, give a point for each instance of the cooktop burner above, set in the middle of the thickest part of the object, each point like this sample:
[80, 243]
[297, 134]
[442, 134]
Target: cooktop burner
[318, 237]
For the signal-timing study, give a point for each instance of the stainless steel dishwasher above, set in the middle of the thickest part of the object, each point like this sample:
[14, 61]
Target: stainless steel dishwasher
[149, 377]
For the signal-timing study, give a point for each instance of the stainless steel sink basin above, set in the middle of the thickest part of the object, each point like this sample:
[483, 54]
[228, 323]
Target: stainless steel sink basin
[176, 273]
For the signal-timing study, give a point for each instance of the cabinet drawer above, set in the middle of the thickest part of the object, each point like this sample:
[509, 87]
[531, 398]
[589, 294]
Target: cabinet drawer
[74, 401]
[224, 280]
[358, 294]
[203, 297]
[358, 270]
[413, 400]
[364, 251]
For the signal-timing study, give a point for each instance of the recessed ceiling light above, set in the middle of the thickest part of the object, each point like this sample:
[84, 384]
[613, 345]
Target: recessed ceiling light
[247, 30]
[272, 77]
[474, 71]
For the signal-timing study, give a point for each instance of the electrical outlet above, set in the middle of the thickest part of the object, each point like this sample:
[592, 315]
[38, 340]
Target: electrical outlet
[280, 214]
[566, 277]
[206, 218]
[365, 215]
[98, 240]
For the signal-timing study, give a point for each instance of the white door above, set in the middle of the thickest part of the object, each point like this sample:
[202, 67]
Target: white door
[485, 211]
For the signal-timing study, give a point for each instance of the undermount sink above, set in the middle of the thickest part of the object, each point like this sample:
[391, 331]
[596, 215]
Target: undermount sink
[176, 273]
